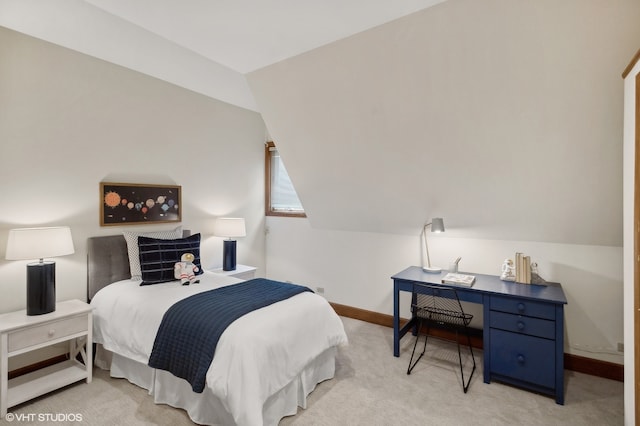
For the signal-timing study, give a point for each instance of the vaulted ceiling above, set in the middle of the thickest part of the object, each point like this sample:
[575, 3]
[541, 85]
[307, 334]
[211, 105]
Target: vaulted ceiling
[202, 45]
[245, 35]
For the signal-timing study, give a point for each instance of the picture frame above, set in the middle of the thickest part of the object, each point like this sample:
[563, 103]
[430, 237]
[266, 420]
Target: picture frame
[135, 204]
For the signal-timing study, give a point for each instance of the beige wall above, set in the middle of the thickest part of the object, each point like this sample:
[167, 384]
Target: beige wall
[355, 269]
[503, 117]
[69, 121]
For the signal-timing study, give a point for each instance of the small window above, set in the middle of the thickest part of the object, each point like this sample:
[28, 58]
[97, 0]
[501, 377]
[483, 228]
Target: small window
[281, 198]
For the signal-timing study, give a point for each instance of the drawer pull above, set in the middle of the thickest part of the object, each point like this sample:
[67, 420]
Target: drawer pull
[520, 325]
[520, 359]
[520, 307]
[52, 332]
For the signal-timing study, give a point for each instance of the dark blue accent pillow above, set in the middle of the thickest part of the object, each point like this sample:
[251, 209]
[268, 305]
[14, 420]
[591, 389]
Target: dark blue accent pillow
[158, 257]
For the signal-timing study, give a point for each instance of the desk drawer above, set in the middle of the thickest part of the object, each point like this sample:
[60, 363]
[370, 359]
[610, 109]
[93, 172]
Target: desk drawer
[43, 333]
[523, 307]
[523, 324]
[522, 357]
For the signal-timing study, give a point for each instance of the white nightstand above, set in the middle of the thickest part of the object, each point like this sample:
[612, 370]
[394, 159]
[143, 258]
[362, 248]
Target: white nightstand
[19, 333]
[243, 272]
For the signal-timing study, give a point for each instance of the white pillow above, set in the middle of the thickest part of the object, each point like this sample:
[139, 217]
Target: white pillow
[132, 247]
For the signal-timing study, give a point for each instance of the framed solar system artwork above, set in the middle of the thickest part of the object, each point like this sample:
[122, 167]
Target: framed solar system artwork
[135, 204]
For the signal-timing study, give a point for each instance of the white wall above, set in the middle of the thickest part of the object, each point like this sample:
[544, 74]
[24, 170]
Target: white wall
[70, 121]
[354, 268]
[629, 262]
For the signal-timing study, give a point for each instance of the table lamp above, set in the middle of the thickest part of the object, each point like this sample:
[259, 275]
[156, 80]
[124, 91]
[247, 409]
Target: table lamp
[229, 227]
[38, 243]
[437, 225]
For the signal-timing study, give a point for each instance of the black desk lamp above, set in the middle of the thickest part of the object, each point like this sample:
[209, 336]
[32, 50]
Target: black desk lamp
[38, 243]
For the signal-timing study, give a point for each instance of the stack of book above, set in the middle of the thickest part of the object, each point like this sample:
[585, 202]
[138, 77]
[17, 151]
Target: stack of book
[523, 268]
[458, 279]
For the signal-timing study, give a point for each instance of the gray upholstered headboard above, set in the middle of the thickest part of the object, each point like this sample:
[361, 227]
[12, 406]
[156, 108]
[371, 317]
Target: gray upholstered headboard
[107, 262]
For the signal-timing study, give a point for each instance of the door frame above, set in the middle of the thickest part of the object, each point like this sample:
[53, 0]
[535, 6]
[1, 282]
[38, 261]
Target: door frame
[635, 348]
[636, 256]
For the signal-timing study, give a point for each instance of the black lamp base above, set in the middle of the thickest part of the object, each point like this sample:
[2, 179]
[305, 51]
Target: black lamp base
[41, 288]
[229, 255]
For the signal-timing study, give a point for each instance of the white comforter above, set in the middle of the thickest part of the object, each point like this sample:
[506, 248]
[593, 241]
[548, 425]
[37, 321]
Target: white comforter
[256, 356]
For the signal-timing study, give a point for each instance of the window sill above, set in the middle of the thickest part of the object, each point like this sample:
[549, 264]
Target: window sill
[286, 214]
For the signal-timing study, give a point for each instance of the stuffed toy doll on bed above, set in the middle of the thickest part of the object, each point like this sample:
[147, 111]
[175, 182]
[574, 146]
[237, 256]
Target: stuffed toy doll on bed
[185, 270]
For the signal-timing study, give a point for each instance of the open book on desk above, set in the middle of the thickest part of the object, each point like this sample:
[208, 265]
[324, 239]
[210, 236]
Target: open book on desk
[459, 279]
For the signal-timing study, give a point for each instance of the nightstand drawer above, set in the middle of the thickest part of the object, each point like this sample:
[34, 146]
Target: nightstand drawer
[523, 307]
[243, 272]
[38, 334]
[522, 357]
[523, 324]
[245, 275]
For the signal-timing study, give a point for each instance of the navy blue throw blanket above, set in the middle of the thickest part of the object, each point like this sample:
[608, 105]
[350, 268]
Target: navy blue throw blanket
[190, 329]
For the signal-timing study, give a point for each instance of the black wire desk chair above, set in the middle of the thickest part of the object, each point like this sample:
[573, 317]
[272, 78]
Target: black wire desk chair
[440, 307]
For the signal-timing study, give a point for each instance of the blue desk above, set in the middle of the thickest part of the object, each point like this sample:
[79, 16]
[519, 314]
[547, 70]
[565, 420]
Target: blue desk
[523, 328]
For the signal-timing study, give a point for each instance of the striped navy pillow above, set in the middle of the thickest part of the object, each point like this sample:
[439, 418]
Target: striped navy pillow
[158, 257]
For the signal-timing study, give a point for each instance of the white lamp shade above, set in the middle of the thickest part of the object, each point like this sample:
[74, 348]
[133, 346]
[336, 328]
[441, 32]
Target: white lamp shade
[38, 243]
[230, 227]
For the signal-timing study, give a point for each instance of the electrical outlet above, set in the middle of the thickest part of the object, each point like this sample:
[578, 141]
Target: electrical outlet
[620, 347]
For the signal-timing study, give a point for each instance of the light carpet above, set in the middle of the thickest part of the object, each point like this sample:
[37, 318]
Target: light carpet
[370, 387]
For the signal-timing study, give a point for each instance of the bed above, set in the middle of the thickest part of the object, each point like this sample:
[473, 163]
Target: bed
[266, 362]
